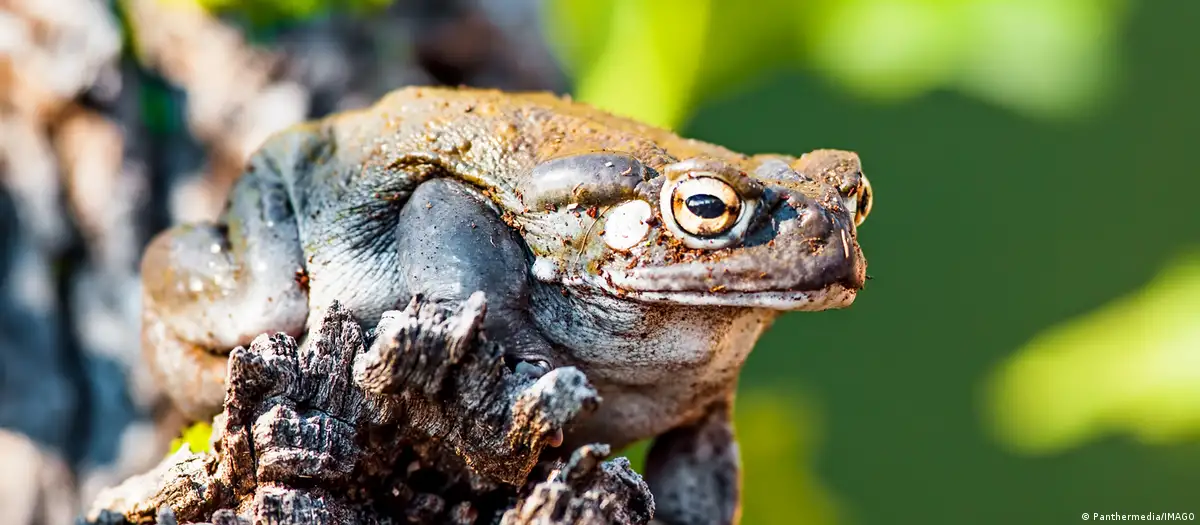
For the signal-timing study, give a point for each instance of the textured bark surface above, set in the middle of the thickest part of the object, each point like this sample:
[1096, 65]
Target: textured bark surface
[418, 421]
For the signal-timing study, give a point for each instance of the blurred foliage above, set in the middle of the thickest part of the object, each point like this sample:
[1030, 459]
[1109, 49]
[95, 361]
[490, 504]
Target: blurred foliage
[657, 61]
[162, 112]
[778, 435]
[778, 438]
[1047, 58]
[1133, 366]
[196, 437]
[266, 12]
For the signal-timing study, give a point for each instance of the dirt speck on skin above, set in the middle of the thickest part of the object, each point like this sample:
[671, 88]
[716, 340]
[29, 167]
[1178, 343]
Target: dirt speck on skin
[302, 279]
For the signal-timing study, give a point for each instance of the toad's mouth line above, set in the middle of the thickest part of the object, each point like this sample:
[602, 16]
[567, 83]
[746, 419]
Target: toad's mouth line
[772, 294]
[831, 297]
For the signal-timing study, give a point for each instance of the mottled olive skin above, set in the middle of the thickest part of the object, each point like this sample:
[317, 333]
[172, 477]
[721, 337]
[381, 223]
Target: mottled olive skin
[511, 193]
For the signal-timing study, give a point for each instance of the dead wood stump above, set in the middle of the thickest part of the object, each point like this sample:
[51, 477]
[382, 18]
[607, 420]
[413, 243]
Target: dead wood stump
[417, 421]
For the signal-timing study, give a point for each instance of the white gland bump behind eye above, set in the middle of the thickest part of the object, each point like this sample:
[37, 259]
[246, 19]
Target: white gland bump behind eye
[626, 224]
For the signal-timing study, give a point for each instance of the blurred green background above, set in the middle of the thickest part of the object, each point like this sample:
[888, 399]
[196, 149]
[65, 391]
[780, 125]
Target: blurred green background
[1029, 347]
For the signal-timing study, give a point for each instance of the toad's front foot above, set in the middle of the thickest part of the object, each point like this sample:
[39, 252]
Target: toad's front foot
[694, 472]
[534, 368]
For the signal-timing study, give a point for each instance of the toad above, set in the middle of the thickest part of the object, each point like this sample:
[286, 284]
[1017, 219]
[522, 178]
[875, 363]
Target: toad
[649, 261]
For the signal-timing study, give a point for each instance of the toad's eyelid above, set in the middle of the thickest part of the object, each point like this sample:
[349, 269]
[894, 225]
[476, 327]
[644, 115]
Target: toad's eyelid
[588, 179]
[744, 185]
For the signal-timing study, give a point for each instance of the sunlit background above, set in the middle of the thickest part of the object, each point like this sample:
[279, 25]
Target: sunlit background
[1029, 346]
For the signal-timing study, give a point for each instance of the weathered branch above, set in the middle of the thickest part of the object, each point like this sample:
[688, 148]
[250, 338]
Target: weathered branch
[419, 422]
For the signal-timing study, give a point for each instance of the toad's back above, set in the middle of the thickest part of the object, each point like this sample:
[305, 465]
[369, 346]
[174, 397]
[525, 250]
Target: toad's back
[348, 175]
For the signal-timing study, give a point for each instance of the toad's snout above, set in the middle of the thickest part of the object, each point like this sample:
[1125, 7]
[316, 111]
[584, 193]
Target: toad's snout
[801, 244]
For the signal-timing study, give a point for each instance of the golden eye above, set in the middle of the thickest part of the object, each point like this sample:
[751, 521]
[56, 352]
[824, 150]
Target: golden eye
[705, 206]
[865, 200]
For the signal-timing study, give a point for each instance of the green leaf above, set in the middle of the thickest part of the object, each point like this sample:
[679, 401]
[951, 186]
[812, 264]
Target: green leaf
[580, 29]
[646, 63]
[1051, 59]
[196, 436]
[885, 49]
[1043, 58]
[657, 61]
[1132, 366]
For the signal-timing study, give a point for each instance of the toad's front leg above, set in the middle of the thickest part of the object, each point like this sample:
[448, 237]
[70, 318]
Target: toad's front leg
[451, 244]
[694, 473]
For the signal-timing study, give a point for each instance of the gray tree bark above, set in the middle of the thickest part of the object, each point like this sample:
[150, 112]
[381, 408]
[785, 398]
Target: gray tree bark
[416, 421]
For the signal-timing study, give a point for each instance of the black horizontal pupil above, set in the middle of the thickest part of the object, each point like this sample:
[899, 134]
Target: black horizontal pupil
[705, 206]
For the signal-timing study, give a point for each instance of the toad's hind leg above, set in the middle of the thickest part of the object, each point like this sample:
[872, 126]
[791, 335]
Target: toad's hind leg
[210, 287]
[451, 244]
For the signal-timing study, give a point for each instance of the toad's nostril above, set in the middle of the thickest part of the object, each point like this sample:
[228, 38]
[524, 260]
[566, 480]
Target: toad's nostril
[815, 222]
